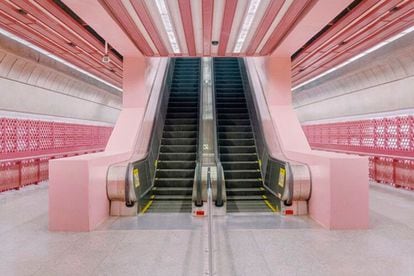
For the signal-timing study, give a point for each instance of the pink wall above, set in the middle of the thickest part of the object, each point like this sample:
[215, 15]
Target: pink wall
[77, 185]
[339, 197]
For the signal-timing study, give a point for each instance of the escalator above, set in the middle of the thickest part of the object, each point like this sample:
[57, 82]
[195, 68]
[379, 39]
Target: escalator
[236, 141]
[175, 167]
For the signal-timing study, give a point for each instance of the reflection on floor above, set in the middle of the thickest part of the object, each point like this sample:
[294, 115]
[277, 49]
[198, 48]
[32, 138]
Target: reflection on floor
[245, 244]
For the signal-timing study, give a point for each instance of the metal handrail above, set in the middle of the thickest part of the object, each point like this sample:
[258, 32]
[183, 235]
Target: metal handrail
[128, 179]
[219, 197]
[288, 196]
[198, 170]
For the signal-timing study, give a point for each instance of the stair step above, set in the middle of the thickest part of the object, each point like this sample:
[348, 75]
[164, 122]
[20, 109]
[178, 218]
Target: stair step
[178, 148]
[246, 165]
[237, 149]
[181, 121]
[177, 156]
[236, 142]
[238, 157]
[179, 141]
[180, 127]
[182, 115]
[176, 165]
[245, 192]
[172, 191]
[252, 197]
[172, 197]
[243, 183]
[234, 128]
[233, 116]
[174, 182]
[174, 173]
[242, 174]
[182, 104]
[179, 134]
[235, 135]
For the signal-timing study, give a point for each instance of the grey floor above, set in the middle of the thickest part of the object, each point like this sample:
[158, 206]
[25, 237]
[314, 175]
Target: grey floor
[244, 244]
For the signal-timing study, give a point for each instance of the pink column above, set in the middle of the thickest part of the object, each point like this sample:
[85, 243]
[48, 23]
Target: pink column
[77, 185]
[339, 182]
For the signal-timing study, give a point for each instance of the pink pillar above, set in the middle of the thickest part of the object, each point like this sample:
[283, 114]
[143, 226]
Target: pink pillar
[339, 197]
[77, 185]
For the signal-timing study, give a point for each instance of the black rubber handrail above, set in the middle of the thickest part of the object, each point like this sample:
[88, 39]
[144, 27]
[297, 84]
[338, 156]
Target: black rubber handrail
[219, 197]
[198, 170]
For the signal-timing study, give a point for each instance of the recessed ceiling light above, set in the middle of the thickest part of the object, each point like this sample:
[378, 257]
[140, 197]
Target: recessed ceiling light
[370, 50]
[166, 21]
[254, 5]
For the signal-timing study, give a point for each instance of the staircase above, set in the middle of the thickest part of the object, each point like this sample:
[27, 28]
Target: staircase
[176, 163]
[245, 192]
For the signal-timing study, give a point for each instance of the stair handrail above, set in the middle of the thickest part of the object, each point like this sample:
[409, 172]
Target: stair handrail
[219, 195]
[198, 169]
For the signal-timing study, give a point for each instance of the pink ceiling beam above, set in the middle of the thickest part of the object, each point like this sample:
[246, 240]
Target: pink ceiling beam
[207, 9]
[376, 36]
[314, 17]
[57, 19]
[187, 19]
[354, 21]
[267, 20]
[227, 23]
[96, 16]
[142, 12]
[292, 17]
[117, 9]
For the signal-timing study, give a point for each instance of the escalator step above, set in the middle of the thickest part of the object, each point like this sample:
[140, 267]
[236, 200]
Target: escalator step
[235, 135]
[174, 173]
[174, 182]
[244, 192]
[243, 183]
[238, 157]
[242, 174]
[177, 156]
[178, 141]
[179, 134]
[246, 165]
[176, 164]
[179, 191]
[178, 148]
[237, 149]
[236, 142]
[180, 128]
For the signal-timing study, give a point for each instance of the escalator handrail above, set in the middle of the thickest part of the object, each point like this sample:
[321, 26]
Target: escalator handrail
[167, 80]
[198, 169]
[219, 197]
[286, 162]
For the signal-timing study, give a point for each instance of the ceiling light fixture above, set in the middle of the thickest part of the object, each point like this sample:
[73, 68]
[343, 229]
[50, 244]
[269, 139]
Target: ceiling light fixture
[52, 56]
[166, 21]
[254, 5]
[370, 50]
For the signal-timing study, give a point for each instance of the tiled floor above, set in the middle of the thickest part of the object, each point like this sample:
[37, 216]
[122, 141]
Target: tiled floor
[160, 244]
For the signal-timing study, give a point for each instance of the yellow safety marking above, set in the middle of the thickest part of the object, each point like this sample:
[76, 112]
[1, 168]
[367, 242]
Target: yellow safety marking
[135, 173]
[282, 174]
[264, 197]
[156, 163]
[274, 210]
[260, 163]
[261, 189]
[148, 204]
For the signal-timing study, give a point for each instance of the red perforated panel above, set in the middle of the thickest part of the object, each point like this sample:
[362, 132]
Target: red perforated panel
[388, 141]
[26, 146]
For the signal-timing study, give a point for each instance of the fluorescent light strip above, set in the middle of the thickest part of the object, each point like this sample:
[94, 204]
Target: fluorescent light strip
[254, 5]
[370, 50]
[166, 21]
[52, 56]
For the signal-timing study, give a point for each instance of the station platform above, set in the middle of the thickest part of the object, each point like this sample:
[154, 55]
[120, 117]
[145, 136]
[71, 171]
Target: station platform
[173, 244]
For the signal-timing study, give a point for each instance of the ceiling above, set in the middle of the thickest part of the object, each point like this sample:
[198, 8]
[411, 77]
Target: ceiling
[45, 24]
[188, 28]
[357, 29]
[258, 25]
